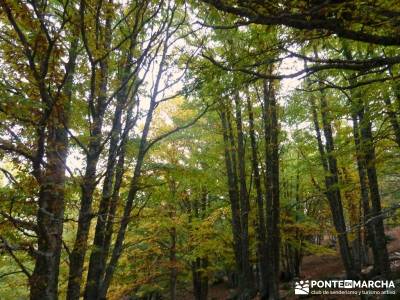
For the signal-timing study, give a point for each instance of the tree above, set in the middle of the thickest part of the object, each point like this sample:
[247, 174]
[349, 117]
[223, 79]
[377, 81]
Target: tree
[175, 149]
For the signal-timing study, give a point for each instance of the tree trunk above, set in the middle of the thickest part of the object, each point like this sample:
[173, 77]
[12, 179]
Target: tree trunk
[88, 186]
[271, 131]
[200, 264]
[247, 286]
[233, 191]
[96, 262]
[133, 189]
[173, 276]
[361, 168]
[376, 212]
[97, 105]
[332, 189]
[119, 173]
[200, 280]
[367, 152]
[261, 237]
[393, 120]
[44, 280]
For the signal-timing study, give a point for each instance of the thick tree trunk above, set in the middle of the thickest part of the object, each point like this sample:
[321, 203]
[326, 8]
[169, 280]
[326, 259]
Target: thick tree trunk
[44, 280]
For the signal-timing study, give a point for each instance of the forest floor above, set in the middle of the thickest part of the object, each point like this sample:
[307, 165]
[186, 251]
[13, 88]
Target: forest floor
[318, 267]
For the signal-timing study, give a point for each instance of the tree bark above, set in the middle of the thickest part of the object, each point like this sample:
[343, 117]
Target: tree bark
[247, 286]
[261, 230]
[233, 191]
[96, 266]
[173, 270]
[271, 131]
[97, 105]
[200, 264]
[88, 186]
[362, 175]
[329, 164]
[367, 146]
[50, 215]
[144, 147]
[200, 280]
[97, 257]
[393, 119]
[133, 189]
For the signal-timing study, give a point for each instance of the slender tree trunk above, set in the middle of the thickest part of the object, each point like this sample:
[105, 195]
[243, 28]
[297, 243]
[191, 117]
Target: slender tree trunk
[261, 236]
[393, 120]
[97, 108]
[332, 189]
[114, 171]
[95, 263]
[354, 215]
[88, 186]
[396, 90]
[117, 250]
[298, 251]
[200, 264]
[247, 278]
[133, 189]
[270, 120]
[200, 280]
[376, 212]
[367, 152]
[332, 186]
[119, 172]
[361, 168]
[233, 192]
[173, 276]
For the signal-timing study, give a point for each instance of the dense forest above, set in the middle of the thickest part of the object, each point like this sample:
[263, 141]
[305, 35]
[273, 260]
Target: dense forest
[175, 149]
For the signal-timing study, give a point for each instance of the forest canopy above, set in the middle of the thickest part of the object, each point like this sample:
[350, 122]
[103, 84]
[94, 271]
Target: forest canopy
[196, 149]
